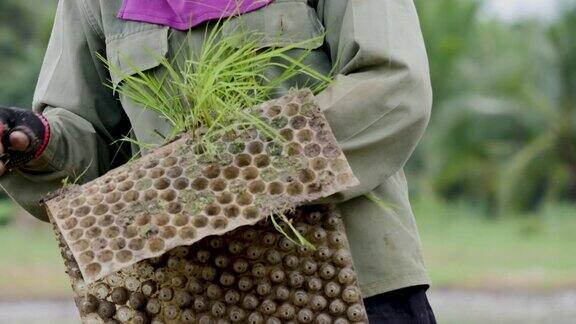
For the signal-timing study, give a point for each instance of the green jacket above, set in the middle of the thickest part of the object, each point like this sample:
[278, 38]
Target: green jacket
[378, 109]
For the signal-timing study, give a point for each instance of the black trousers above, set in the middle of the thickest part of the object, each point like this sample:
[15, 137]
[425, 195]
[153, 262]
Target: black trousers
[403, 306]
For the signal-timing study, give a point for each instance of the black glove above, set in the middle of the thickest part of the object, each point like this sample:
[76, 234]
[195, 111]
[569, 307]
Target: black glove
[23, 136]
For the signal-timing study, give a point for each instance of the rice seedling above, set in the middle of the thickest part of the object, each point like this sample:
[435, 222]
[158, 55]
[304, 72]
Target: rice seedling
[217, 87]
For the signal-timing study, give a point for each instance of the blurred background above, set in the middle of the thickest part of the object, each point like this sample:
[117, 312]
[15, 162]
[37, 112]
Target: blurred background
[493, 182]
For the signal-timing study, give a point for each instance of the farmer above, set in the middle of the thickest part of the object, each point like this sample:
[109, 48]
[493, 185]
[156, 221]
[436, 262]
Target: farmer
[378, 109]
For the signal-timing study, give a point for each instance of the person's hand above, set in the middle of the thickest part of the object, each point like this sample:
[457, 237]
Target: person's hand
[23, 137]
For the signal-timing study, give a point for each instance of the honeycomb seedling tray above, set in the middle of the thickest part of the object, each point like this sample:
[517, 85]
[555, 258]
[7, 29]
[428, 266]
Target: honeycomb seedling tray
[177, 194]
[252, 274]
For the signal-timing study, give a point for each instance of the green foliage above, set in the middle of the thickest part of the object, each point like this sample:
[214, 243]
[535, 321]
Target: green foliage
[448, 26]
[503, 127]
[24, 31]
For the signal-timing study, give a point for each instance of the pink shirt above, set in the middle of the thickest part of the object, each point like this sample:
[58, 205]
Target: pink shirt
[184, 14]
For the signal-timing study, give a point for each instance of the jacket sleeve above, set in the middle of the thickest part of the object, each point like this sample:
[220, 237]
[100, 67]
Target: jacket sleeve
[84, 116]
[380, 103]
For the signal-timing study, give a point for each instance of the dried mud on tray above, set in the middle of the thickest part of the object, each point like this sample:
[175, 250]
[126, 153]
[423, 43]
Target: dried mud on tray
[176, 195]
[252, 274]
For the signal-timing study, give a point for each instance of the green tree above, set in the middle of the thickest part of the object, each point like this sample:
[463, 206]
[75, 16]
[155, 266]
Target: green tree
[546, 164]
[503, 123]
[24, 31]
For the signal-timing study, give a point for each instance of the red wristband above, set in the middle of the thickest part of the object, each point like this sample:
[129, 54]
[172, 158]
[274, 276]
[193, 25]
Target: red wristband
[46, 136]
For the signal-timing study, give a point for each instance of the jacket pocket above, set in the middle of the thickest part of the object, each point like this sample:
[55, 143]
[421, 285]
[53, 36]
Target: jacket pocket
[136, 52]
[281, 23]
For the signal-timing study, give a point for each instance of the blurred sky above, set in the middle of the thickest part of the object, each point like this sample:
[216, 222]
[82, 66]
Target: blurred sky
[514, 9]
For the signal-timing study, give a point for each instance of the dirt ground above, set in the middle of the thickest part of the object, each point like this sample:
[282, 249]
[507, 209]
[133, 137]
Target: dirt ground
[451, 306]
[471, 307]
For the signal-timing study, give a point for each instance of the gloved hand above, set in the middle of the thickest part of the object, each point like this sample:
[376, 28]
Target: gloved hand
[23, 137]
